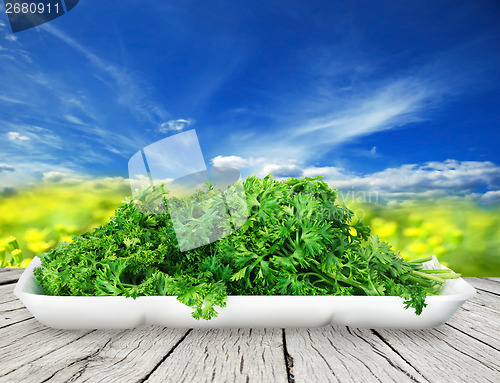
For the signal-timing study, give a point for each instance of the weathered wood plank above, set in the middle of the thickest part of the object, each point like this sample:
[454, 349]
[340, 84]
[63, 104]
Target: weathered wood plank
[226, 355]
[485, 284]
[110, 356]
[10, 275]
[18, 331]
[11, 316]
[486, 301]
[496, 279]
[10, 305]
[340, 354]
[28, 341]
[6, 293]
[12, 309]
[479, 321]
[445, 355]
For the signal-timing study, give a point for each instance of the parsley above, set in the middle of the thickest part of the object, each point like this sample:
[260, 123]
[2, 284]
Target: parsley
[296, 241]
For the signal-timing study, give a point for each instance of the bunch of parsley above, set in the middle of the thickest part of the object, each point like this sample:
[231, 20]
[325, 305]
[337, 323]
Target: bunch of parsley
[296, 241]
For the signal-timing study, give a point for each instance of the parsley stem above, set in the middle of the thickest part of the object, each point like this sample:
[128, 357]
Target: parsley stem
[420, 281]
[428, 276]
[421, 260]
[448, 275]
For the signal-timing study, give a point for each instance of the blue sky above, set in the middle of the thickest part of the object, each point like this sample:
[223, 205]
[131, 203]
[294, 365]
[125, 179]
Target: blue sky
[396, 97]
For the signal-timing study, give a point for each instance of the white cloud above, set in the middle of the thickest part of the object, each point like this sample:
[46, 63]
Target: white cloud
[54, 176]
[6, 168]
[66, 176]
[260, 166]
[235, 161]
[328, 172]
[386, 105]
[36, 137]
[491, 197]
[430, 180]
[10, 99]
[35, 172]
[32, 171]
[16, 136]
[114, 150]
[282, 170]
[10, 37]
[393, 105]
[433, 178]
[74, 119]
[175, 125]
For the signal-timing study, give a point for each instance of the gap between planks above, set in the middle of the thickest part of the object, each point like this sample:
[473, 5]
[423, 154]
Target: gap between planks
[165, 357]
[11, 275]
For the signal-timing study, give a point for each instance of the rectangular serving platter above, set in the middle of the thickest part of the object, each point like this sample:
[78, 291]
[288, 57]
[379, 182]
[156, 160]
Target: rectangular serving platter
[118, 312]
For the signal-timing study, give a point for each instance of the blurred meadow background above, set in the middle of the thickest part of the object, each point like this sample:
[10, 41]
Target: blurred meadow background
[462, 233]
[36, 219]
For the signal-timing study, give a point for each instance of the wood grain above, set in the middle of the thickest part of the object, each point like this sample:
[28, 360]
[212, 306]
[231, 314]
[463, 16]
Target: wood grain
[481, 323]
[10, 275]
[7, 293]
[228, 355]
[485, 284]
[340, 354]
[28, 341]
[445, 355]
[110, 356]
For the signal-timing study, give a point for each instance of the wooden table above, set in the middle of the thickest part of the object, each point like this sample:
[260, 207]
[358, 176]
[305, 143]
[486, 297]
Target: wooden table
[467, 349]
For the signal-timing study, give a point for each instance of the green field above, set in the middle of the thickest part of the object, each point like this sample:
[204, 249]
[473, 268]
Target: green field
[462, 234]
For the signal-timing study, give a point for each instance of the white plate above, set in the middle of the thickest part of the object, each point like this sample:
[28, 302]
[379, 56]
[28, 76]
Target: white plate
[71, 312]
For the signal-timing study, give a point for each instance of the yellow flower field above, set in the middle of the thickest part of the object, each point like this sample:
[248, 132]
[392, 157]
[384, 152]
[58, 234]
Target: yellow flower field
[464, 235]
[42, 216]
